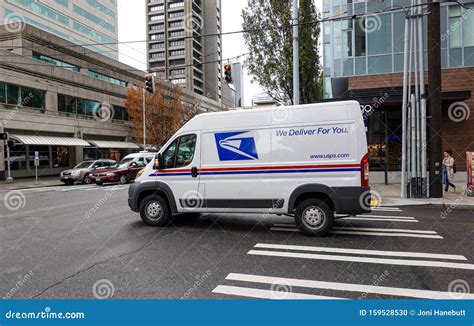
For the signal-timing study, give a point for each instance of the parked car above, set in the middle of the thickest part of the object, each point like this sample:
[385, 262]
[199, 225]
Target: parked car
[312, 165]
[82, 171]
[123, 172]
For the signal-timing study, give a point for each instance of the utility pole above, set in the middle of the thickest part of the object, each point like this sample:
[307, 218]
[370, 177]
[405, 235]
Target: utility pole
[144, 119]
[296, 55]
[435, 141]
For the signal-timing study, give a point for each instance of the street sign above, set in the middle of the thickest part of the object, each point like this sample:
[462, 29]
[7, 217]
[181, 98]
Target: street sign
[470, 170]
[36, 158]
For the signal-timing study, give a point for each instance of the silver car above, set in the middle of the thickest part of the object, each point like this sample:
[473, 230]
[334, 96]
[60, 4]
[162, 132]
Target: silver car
[82, 171]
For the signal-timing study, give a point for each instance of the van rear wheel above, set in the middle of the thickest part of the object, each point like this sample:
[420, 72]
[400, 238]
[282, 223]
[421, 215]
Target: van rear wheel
[154, 211]
[314, 217]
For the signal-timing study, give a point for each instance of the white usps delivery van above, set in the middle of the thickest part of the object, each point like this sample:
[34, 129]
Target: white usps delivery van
[309, 161]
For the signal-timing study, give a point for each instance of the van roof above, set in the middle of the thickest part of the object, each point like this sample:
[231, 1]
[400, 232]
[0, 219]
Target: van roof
[195, 123]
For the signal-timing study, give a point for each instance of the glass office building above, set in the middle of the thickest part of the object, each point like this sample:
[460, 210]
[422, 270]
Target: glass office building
[363, 60]
[91, 23]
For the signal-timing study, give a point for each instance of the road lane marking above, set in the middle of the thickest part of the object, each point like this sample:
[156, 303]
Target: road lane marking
[369, 260]
[386, 209]
[378, 219]
[266, 294]
[393, 291]
[386, 216]
[361, 251]
[387, 234]
[345, 228]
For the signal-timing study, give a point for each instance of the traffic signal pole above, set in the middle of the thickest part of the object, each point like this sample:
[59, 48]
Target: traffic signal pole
[296, 55]
[144, 119]
[435, 142]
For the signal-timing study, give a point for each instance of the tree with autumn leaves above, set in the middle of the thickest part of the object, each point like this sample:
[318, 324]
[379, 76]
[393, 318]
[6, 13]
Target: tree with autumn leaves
[166, 111]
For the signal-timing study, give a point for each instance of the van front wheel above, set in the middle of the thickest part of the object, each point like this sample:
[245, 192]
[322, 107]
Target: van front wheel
[314, 217]
[154, 211]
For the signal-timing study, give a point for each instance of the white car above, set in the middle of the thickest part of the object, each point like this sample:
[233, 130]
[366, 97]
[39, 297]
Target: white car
[309, 161]
[141, 157]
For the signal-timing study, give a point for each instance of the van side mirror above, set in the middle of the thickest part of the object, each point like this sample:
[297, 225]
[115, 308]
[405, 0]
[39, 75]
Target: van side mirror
[158, 163]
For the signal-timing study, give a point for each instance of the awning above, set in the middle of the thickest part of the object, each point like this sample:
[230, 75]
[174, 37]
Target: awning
[113, 144]
[46, 140]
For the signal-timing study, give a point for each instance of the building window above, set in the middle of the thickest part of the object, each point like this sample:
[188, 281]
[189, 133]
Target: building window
[108, 79]
[97, 5]
[157, 8]
[157, 18]
[454, 24]
[80, 106]
[93, 18]
[21, 96]
[157, 46]
[177, 43]
[56, 62]
[160, 36]
[45, 11]
[176, 4]
[157, 27]
[176, 52]
[176, 14]
[157, 55]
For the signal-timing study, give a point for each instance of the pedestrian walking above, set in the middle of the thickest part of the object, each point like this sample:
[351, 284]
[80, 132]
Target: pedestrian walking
[448, 170]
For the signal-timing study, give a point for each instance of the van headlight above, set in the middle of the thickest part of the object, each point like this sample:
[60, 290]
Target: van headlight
[140, 173]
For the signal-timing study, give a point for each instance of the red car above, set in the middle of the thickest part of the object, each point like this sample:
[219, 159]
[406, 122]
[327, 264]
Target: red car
[122, 172]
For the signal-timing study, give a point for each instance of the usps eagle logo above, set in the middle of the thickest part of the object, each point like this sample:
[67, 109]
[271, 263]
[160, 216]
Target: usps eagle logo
[236, 146]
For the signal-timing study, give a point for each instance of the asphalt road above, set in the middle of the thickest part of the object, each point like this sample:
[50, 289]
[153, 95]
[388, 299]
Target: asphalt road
[84, 242]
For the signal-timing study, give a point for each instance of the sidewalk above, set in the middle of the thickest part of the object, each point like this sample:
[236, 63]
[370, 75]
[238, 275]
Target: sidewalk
[390, 196]
[26, 183]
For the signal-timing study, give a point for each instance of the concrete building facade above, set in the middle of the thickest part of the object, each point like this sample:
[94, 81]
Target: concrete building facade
[177, 53]
[64, 102]
[86, 22]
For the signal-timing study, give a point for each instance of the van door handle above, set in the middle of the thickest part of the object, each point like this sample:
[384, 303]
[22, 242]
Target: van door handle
[194, 172]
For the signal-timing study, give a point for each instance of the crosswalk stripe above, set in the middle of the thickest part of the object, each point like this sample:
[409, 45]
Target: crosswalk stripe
[384, 230]
[402, 292]
[386, 234]
[381, 234]
[386, 209]
[369, 260]
[387, 216]
[378, 219]
[360, 251]
[266, 294]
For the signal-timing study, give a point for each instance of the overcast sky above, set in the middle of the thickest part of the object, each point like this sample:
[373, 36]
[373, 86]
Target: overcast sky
[132, 28]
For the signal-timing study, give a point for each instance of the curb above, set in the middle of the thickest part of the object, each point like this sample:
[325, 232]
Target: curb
[435, 205]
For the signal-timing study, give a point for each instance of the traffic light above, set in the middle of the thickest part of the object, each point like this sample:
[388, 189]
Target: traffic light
[228, 73]
[150, 83]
